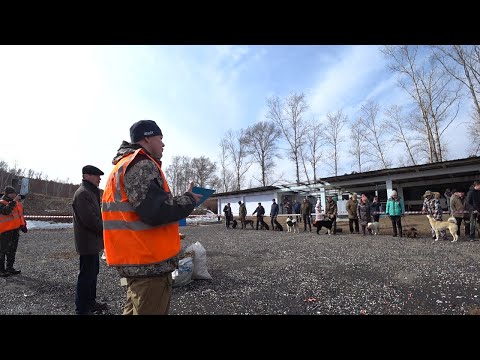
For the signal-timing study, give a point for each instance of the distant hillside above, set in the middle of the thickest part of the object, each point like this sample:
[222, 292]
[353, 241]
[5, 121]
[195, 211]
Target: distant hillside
[39, 204]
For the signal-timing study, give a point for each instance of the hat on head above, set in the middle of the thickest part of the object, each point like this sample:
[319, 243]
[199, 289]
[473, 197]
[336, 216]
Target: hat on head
[91, 170]
[9, 190]
[427, 193]
[144, 128]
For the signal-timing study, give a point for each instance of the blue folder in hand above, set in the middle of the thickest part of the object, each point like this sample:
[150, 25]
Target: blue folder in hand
[202, 191]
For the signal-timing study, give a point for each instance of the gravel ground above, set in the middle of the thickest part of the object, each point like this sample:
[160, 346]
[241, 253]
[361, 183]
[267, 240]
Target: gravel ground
[266, 272]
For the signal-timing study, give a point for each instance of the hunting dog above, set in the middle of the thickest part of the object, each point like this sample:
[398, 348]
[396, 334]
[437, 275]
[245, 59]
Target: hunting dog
[277, 227]
[328, 224]
[373, 227]
[410, 233]
[292, 225]
[264, 225]
[450, 224]
[235, 223]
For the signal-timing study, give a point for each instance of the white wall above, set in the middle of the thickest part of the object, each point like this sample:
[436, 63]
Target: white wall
[251, 202]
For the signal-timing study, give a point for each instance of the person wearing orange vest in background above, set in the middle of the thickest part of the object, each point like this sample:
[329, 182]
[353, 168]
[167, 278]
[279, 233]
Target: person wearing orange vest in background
[11, 222]
[140, 221]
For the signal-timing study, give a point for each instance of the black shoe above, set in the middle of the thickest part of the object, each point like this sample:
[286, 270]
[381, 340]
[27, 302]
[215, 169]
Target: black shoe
[4, 273]
[98, 307]
[13, 271]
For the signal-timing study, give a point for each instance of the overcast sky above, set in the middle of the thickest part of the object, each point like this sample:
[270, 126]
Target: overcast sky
[62, 107]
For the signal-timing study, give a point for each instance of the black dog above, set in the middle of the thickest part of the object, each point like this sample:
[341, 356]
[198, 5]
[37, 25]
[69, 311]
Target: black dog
[234, 224]
[328, 224]
[278, 227]
[264, 225]
[249, 222]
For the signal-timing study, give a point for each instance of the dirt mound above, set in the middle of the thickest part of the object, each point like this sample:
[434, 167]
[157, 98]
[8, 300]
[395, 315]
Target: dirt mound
[38, 204]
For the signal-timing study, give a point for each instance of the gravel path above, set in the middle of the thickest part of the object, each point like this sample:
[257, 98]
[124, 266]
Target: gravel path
[266, 272]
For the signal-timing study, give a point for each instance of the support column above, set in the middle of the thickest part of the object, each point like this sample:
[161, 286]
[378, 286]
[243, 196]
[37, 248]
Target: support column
[323, 199]
[388, 184]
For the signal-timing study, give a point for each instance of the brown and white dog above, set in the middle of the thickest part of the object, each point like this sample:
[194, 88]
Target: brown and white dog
[450, 224]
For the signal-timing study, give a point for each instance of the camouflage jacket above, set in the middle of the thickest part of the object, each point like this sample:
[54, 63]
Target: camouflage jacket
[144, 187]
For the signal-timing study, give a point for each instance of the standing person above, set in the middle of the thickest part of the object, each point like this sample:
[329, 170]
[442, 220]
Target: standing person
[473, 201]
[288, 206]
[363, 212]
[429, 208]
[375, 206]
[242, 213]
[457, 206]
[395, 210]
[331, 212]
[352, 206]
[227, 210]
[296, 210]
[318, 214]
[11, 222]
[274, 209]
[448, 194]
[260, 211]
[88, 235]
[140, 221]
[306, 210]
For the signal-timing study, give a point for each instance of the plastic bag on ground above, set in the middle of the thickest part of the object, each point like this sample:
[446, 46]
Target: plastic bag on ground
[183, 275]
[199, 262]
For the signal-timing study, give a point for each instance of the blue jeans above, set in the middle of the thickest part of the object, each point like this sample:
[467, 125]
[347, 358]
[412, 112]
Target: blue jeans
[87, 282]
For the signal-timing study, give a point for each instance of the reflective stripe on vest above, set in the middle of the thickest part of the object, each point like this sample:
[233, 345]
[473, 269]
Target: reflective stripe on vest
[13, 221]
[128, 240]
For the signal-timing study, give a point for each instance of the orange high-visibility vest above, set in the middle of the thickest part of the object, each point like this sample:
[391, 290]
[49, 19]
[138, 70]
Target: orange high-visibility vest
[13, 221]
[128, 240]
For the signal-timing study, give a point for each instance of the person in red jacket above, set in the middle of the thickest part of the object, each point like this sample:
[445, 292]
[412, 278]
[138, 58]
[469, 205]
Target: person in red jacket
[11, 222]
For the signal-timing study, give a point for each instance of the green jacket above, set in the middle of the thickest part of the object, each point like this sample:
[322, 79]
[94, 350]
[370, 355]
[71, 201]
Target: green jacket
[395, 207]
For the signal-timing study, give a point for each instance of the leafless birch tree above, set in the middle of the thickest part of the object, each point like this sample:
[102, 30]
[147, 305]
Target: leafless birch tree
[333, 138]
[397, 127]
[262, 139]
[288, 115]
[373, 130]
[462, 62]
[358, 145]
[237, 149]
[432, 91]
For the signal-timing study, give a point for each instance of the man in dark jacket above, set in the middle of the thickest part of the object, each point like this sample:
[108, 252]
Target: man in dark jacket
[473, 205]
[260, 211]
[88, 232]
[274, 213]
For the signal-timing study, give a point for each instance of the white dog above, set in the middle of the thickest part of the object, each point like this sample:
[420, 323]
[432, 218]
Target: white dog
[292, 225]
[374, 227]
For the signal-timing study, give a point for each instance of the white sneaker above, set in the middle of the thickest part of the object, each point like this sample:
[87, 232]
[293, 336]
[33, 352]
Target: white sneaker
[104, 256]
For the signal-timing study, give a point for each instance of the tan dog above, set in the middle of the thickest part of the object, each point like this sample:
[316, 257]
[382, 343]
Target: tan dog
[438, 226]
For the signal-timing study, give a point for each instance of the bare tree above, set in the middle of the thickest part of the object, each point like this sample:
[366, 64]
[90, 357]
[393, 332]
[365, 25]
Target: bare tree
[236, 146]
[397, 126]
[333, 137]
[203, 170]
[358, 145]
[179, 174]
[373, 130]
[312, 152]
[261, 140]
[432, 91]
[227, 177]
[288, 116]
[462, 62]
